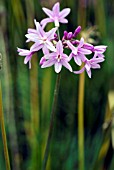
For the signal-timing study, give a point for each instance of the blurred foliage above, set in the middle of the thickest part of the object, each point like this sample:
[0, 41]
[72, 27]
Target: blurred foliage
[28, 94]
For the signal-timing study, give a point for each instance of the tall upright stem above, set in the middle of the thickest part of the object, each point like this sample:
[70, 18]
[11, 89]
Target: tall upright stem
[46, 154]
[4, 132]
[81, 121]
[82, 22]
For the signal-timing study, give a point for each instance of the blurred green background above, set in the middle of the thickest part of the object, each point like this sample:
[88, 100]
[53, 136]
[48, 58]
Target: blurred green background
[27, 94]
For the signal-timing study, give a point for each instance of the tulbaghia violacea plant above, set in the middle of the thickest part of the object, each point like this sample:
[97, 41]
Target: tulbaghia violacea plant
[53, 48]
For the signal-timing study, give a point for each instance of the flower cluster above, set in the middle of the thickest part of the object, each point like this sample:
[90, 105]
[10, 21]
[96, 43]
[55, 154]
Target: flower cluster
[53, 47]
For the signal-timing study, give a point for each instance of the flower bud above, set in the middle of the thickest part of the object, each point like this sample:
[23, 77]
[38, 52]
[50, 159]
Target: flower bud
[65, 35]
[69, 36]
[77, 31]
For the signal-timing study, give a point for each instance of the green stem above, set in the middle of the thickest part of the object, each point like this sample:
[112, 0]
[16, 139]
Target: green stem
[46, 154]
[58, 33]
[81, 121]
[4, 133]
[81, 21]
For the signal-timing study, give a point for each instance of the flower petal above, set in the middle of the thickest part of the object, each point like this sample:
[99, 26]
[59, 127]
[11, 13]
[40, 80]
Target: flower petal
[73, 48]
[45, 50]
[87, 66]
[59, 47]
[50, 46]
[58, 67]
[30, 30]
[84, 51]
[89, 73]
[27, 58]
[81, 42]
[100, 48]
[32, 37]
[50, 34]
[36, 47]
[48, 12]
[48, 63]
[42, 60]
[95, 66]
[64, 12]
[23, 52]
[80, 71]
[67, 65]
[78, 60]
[56, 9]
[45, 21]
[63, 20]
[40, 30]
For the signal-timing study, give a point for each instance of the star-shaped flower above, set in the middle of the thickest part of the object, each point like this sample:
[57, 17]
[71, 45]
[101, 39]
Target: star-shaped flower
[41, 38]
[78, 52]
[27, 53]
[58, 59]
[90, 64]
[55, 15]
[99, 50]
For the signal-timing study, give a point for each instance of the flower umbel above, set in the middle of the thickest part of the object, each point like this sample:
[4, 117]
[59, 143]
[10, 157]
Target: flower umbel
[52, 46]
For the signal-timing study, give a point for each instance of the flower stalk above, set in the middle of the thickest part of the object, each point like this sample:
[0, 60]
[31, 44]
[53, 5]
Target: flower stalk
[81, 121]
[6, 154]
[52, 117]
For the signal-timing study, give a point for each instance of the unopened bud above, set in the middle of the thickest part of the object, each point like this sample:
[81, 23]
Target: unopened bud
[77, 31]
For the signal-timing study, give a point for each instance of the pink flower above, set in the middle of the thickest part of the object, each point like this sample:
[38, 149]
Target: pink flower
[27, 53]
[41, 38]
[99, 50]
[55, 15]
[78, 52]
[58, 59]
[90, 64]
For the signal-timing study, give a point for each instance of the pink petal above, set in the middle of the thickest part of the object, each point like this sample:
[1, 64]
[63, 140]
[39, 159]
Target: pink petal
[64, 12]
[45, 21]
[50, 34]
[42, 60]
[23, 52]
[48, 12]
[36, 47]
[48, 63]
[45, 50]
[87, 66]
[95, 66]
[80, 71]
[27, 58]
[40, 30]
[78, 60]
[50, 55]
[100, 55]
[100, 48]
[97, 60]
[50, 46]
[56, 9]
[67, 65]
[59, 47]
[89, 73]
[58, 67]
[32, 37]
[73, 48]
[30, 30]
[81, 42]
[84, 51]
[63, 20]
